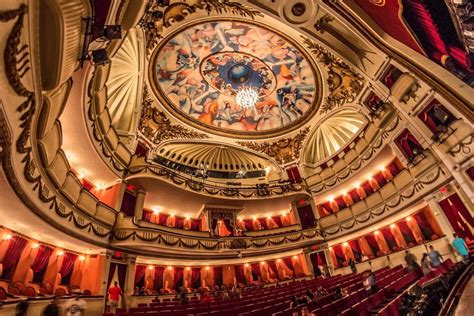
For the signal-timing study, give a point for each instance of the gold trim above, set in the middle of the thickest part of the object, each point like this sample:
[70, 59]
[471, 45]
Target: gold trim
[166, 103]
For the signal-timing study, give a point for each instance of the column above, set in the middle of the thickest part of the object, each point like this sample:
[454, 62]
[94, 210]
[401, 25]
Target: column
[309, 264]
[121, 191]
[130, 279]
[107, 254]
[139, 204]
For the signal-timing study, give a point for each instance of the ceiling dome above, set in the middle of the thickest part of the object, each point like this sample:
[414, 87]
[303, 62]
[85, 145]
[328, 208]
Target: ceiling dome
[332, 134]
[201, 74]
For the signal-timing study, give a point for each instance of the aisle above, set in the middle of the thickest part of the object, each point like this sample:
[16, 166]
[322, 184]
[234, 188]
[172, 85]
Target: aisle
[466, 304]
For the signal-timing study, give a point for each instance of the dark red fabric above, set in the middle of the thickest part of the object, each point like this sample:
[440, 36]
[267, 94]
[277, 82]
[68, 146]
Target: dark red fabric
[139, 273]
[356, 249]
[158, 278]
[451, 210]
[424, 225]
[196, 278]
[306, 215]
[339, 255]
[373, 244]
[68, 263]
[128, 203]
[289, 264]
[162, 218]
[239, 274]
[146, 215]
[228, 226]
[277, 220]
[389, 238]
[315, 262]
[179, 222]
[458, 206]
[263, 223]
[112, 268]
[273, 267]
[255, 271]
[340, 202]
[195, 224]
[406, 232]
[218, 276]
[178, 277]
[367, 188]
[42, 258]
[407, 143]
[248, 225]
[379, 177]
[12, 255]
[354, 196]
[121, 274]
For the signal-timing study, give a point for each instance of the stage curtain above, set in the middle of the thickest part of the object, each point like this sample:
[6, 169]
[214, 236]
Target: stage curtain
[397, 234]
[289, 264]
[158, 278]
[407, 233]
[10, 260]
[373, 244]
[355, 249]
[339, 255]
[42, 258]
[239, 274]
[365, 247]
[458, 216]
[273, 268]
[66, 268]
[277, 220]
[178, 277]
[196, 278]
[424, 225]
[255, 267]
[389, 239]
[217, 276]
[139, 273]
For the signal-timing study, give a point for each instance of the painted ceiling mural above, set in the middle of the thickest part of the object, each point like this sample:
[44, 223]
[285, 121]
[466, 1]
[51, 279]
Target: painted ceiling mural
[199, 72]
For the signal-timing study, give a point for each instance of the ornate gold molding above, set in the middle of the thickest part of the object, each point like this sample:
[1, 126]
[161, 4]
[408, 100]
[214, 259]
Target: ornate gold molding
[284, 150]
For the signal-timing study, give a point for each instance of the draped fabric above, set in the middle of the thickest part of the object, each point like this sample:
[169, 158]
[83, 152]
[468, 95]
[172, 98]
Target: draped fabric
[407, 233]
[218, 280]
[273, 268]
[146, 215]
[389, 238]
[424, 225]
[12, 256]
[178, 277]
[367, 188]
[195, 223]
[213, 224]
[139, 273]
[374, 246]
[278, 221]
[66, 268]
[179, 222]
[365, 247]
[41, 259]
[239, 274]
[289, 264]
[306, 215]
[339, 255]
[397, 234]
[112, 268]
[122, 275]
[158, 278]
[354, 244]
[196, 278]
[263, 223]
[407, 143]
[256, 274]
[315, 262]
[162, 219]
[458, 216]
[248, 225]
[227, 225]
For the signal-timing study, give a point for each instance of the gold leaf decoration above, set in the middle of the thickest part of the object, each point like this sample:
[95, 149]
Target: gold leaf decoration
[284, 150]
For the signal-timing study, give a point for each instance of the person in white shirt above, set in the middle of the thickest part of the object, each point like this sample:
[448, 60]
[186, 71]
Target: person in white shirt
[76, 307]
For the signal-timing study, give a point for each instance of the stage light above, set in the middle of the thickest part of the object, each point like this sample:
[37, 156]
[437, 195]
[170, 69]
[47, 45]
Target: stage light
[409, 218]
[208, 268]
[82, 258]
[376, 232]
[35, 245]
[346, 244]
[246, 265]
[60, 253]
[295, 257]
[188, 268]
[392, 226]
[170, 268]
[150, 267]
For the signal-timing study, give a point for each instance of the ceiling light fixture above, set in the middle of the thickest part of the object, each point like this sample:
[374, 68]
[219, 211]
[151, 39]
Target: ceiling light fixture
[247, 97]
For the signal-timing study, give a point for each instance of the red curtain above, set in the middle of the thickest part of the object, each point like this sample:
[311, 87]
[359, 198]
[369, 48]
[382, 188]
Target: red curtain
[373, 244]
[367, 188]
[195, 223]
[41, 259]
[455, 211]
[218, 276]
[146, 215]
[179, 222]
[289, 264]
[196, 278]
[407, 233]
[424, 225]
[68, 264]
[248, 225]
[178, 277]
[407, 143]
[277, 220]
[158, 278]
[12, 256]
[389, 238]
[162, 218]
[122, 274]
[306, 215]
[228, 226]
[273, 267]
[356, 249]
[255, 271]
[239, 274]
[263, 223]
[339, 255]
[139, 273]
[379, 177]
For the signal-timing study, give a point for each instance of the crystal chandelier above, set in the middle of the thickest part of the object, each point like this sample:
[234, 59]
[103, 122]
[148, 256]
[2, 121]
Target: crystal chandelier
[247, 97]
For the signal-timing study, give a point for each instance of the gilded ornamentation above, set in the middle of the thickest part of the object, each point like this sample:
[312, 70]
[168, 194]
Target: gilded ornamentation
[344, 82]
[157, 127]
[284, 150]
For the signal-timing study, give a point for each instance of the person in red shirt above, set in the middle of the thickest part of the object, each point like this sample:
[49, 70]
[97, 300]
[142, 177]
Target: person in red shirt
[114, 296]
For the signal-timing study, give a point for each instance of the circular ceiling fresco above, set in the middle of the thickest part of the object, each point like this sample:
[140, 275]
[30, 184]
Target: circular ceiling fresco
[235, 77]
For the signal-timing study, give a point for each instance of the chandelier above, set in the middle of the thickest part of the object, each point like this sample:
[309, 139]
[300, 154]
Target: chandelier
[247, 97]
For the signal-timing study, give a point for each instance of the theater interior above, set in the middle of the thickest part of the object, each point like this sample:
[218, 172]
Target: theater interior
[224, 157]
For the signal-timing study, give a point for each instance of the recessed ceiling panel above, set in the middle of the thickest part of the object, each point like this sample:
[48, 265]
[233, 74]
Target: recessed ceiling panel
[233, 77]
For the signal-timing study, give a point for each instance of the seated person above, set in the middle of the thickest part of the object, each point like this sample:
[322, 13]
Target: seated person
[310, 296]
[321, 292]
[293, 302]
